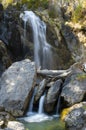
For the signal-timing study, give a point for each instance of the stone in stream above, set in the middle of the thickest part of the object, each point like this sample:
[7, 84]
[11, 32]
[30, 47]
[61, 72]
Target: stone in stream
[52, 96]
[14, 125]
[16, 85]
[4, 118]
[40, 90]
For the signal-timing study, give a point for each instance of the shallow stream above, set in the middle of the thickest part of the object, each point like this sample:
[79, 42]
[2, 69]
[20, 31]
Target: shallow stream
[45, 125]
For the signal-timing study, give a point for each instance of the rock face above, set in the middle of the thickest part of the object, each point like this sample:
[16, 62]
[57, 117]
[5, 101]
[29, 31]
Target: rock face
[71, 41]
[76, 119]
[74, 89]
[5, 60]
[52, 96]
[16, 85]
[9, 31]
[1, 10]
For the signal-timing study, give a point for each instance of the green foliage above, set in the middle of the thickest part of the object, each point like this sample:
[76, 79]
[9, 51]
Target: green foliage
[77, 13]
[5, 3]
[33, 4]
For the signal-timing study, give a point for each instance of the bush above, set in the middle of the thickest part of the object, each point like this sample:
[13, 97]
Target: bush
[33, 4]
[77, 13]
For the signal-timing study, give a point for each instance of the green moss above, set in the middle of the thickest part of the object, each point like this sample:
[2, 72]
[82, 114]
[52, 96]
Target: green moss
[65, 113]
[81, 77]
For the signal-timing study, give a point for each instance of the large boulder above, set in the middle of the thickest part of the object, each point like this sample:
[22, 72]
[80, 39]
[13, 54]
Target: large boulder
[74, 88]
[16, 85]
[52, 96]
[76, 117]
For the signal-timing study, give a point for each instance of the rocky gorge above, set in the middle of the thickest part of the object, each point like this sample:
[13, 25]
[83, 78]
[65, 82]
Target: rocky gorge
[59, 75]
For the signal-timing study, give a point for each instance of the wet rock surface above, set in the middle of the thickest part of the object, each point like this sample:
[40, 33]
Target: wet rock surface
[52, 96]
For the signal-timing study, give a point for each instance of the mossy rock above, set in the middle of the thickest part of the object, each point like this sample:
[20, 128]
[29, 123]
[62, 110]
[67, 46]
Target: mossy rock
[81, 77]
[66, 111]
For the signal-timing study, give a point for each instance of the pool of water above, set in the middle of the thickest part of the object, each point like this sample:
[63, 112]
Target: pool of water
[54, 124]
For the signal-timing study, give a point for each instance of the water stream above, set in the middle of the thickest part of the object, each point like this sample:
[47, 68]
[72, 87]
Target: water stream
[58, 106]
[42, 49]
[30, 109]
[41, 103]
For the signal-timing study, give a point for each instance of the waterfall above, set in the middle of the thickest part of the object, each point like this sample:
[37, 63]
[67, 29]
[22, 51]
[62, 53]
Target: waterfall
[42, 50]
[41, 103]
[30, 109]
[39, 116]
[58, 105]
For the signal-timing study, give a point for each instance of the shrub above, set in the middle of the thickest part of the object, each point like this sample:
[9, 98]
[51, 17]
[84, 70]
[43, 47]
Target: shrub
[77, 13]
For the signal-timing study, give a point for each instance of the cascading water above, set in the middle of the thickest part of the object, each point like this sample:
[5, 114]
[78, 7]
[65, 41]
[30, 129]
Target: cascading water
[58, 105]
[42, 50]
[41, 103]
[36, 116]
[43, 58]
[30, 110]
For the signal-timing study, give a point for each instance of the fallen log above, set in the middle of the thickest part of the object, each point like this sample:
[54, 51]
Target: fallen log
[54, 73]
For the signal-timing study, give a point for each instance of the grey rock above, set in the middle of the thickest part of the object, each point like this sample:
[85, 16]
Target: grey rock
[16, 85]
[75, 120]
[14, 125]
[52, 96]
[74, 89]
[40, 90]
[4, 118]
